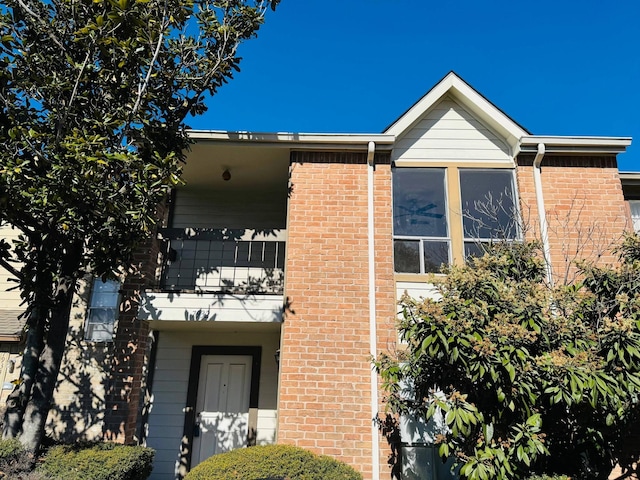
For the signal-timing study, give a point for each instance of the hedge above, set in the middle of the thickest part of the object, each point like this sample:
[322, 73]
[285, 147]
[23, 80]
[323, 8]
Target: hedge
[272, 462]
[101, 461]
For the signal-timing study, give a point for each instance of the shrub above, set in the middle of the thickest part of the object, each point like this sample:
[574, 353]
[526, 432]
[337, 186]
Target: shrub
[101, 461]
[272, 462]
[530, 377]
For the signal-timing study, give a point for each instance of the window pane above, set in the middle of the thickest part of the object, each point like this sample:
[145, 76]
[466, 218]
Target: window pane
[421, 462]
[104, 294]
[635, 214]
[488, 206]
[100, 324]
[474, 249]
[406, 256]
[419, 207]
[435, 254]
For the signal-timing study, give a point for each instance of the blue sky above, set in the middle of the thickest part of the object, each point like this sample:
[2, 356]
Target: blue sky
[563, 67]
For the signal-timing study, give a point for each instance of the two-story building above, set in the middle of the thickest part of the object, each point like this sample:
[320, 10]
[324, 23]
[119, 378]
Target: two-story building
[275, 276]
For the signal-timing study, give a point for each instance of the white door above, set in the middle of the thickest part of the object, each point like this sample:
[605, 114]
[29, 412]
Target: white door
[222, 407]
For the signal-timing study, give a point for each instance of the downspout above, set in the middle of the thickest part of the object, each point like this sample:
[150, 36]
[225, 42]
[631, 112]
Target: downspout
[542, 215]
[375, 446]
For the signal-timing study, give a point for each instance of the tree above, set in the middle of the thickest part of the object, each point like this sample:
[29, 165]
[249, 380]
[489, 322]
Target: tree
[525, 377]
[92, 136]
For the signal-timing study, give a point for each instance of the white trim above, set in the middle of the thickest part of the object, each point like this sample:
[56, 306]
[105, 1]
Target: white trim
[574, 144]
[373, 342]
[468, 98]
[298, 140]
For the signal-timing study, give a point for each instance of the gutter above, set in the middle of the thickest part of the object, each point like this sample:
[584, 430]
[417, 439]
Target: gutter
[542, 214]
[373, 345]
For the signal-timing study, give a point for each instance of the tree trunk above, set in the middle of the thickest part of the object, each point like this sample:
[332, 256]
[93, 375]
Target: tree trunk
[18, 398]
[37, 409]
[36, 321]
[50, 359]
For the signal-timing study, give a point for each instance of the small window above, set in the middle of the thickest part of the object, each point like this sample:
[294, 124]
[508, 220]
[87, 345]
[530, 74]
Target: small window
[635, 214]
[103, 310]
[488, 208]
[421, 242]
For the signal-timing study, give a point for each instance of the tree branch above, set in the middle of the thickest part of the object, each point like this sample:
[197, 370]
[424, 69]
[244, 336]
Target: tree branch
[39, 19]
[10, 268]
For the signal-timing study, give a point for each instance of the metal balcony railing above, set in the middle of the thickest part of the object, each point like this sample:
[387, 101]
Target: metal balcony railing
[214, 260]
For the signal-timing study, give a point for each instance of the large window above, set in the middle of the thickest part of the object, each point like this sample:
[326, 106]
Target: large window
[420, 229]
[488, 207]
[432, 225]
[103, 310]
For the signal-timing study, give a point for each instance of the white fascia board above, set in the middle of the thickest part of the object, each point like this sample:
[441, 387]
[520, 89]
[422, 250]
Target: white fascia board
[630, 177]
[558, 144]
[479, 106]
[321, 141]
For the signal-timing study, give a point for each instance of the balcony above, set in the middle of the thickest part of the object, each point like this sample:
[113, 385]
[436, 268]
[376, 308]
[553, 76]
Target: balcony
[221, 275]
[229, 261]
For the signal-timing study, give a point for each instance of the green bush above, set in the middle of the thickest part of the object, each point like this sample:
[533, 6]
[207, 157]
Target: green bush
[101, 461]
[272, 462]
[10, 450]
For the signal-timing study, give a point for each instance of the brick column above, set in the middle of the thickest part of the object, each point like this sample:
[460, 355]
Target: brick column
[325, 400]
[127, 389]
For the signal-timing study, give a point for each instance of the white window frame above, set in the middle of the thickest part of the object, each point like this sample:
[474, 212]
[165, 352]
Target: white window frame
[102, 313]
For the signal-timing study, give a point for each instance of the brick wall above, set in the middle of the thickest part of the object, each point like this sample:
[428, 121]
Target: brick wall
[325, 401]
[584, 204]
[127, 393]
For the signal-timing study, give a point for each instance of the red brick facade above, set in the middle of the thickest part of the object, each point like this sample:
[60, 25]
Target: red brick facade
[585, 208]
[325, 401]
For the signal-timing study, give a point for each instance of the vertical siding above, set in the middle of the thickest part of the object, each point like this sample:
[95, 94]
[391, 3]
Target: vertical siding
[171, 379]
[449, 132]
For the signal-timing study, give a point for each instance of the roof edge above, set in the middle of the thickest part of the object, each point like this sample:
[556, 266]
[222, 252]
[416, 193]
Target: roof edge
[574, 144]
[301, 140]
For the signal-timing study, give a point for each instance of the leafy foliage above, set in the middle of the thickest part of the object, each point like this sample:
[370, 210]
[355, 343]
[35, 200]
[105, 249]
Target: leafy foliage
[102, 461]
[93, 100]
[525, 377]
[272, 462]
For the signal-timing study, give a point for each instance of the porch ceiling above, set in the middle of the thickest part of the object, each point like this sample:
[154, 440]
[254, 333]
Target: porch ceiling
[251, 167]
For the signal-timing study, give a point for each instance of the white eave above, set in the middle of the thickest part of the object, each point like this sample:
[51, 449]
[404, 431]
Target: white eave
[630, 177]
[299, 141]
[576, 145]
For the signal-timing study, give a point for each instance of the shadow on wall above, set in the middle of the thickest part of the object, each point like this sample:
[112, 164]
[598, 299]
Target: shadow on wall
[79, 398]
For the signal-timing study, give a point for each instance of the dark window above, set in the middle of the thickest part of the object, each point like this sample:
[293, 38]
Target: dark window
[420, 228]
[489, 209]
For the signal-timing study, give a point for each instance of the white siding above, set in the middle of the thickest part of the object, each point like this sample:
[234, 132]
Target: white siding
[9, 300]
[210, 307]
[201, 208]
[171, 379]
[416, 290]
[449, 132]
